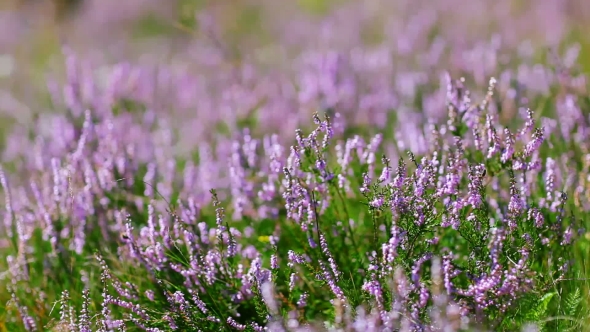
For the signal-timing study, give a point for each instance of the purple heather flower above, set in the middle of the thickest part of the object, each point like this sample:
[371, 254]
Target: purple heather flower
[231, 322]
[294, 258]
[377, 202]
[529, 124]
[516, 204]
[493, 140]
[567, 236]
[536, 216]
[534, 144]
[366, 183]
[475, 184]
[374, 289]
[149, 294]
[386, 170]
[508, 150]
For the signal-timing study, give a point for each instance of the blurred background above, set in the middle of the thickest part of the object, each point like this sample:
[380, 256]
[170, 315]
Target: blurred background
[33, 31]
[209, 37]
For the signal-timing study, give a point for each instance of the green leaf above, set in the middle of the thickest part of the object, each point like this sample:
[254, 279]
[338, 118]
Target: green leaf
[538, 312]
[572, 302]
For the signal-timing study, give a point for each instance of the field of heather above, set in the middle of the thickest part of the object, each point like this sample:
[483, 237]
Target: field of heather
[291, 166]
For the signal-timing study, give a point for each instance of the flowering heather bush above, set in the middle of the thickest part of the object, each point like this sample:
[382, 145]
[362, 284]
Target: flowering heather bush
[342, 194]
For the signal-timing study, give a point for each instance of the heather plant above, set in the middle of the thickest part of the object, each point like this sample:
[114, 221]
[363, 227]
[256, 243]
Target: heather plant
[344, 194]
[324, 230]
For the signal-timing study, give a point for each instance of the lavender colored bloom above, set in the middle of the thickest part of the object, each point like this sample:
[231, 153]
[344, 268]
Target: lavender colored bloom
[508, 146]
[535, 143]
[476, 174]
[231, 322]
[386, 170]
